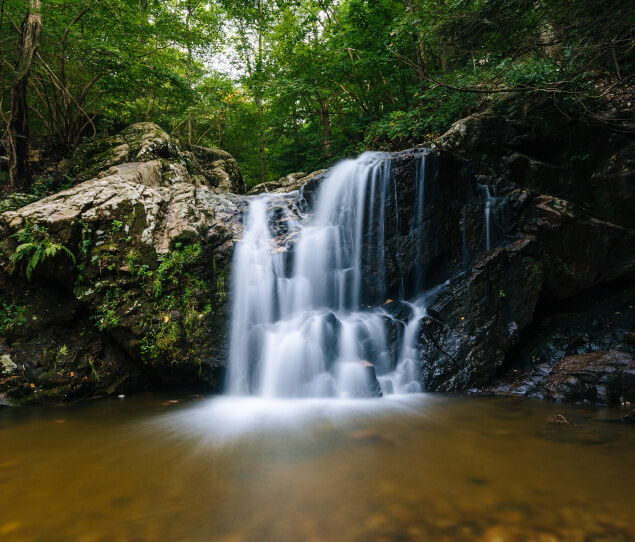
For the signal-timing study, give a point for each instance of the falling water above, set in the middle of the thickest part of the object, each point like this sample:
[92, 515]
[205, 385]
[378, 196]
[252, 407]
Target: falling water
[310, 314]
[490, 200]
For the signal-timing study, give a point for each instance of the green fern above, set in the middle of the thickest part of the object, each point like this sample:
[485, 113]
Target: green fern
[36, 246]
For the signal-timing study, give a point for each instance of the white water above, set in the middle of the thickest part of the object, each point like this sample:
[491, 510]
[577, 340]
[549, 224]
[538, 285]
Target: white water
[490, 200]
[306, 321]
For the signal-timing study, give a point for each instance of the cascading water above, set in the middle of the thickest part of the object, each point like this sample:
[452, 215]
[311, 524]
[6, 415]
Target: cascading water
[494, 219]
[308, 306]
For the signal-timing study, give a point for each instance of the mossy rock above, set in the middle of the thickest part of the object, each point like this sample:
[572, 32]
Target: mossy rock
[140, 142]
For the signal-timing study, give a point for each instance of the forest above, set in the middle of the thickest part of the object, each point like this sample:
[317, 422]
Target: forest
[317, 270]
[294, 85]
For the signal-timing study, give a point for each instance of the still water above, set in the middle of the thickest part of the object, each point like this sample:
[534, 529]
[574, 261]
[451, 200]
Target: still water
[419, 467]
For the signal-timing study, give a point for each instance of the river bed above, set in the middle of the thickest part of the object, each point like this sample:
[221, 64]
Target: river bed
[417, 467]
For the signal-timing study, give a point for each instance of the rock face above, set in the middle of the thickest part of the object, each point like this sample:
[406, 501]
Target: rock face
[145, 301]
[586, 164]
[479, 333]
[535, 293]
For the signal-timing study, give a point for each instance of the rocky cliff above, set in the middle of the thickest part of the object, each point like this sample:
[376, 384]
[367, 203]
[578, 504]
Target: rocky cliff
[128, 270]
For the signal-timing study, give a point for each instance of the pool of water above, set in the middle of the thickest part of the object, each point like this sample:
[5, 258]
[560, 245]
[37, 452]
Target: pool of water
[423, 467]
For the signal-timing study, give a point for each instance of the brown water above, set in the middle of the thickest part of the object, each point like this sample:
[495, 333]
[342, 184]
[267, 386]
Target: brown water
[423, 468]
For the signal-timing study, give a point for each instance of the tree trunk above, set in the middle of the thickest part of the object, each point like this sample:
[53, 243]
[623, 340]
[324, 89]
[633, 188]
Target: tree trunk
[261, 138]
[188, 71]
[18, 129]
[326, 127]
[261, 135]
[296, 139]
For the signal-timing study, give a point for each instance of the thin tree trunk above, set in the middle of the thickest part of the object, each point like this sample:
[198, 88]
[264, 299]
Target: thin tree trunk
[326, 127]
[261, 135]
[149, 108]
[296, 139]
[261, 138]
[18, 129]
[188, 69]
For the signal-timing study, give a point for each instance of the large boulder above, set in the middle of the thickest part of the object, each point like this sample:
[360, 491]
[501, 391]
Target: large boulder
[604, 377]
[142, 300]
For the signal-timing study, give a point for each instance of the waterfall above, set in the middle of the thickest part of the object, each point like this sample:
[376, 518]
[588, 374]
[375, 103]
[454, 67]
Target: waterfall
[310, 315]
[490, 201]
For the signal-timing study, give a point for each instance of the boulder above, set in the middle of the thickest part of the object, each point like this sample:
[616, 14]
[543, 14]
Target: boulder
[288, 183]
[144, 300]
[220, 169]
[141, 142]
[601, 377]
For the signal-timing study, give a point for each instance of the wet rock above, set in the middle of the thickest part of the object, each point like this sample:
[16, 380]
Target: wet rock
[542, 150]
[597, 377]
[598, 319]
[374, 387]
[479, 318]
[484, 312]
[558, 419]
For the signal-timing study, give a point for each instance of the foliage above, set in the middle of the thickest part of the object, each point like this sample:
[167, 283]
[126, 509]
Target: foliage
[177, 295]
[315, 80]
[36, 246]
[12, 316]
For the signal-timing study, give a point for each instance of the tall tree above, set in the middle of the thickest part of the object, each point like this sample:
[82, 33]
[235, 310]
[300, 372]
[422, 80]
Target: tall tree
[18, 129]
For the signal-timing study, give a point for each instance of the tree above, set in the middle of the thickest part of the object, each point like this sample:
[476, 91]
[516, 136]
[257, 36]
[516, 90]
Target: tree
[18, 129]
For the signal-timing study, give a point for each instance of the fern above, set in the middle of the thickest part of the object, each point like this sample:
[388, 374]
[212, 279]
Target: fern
[37, 246]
